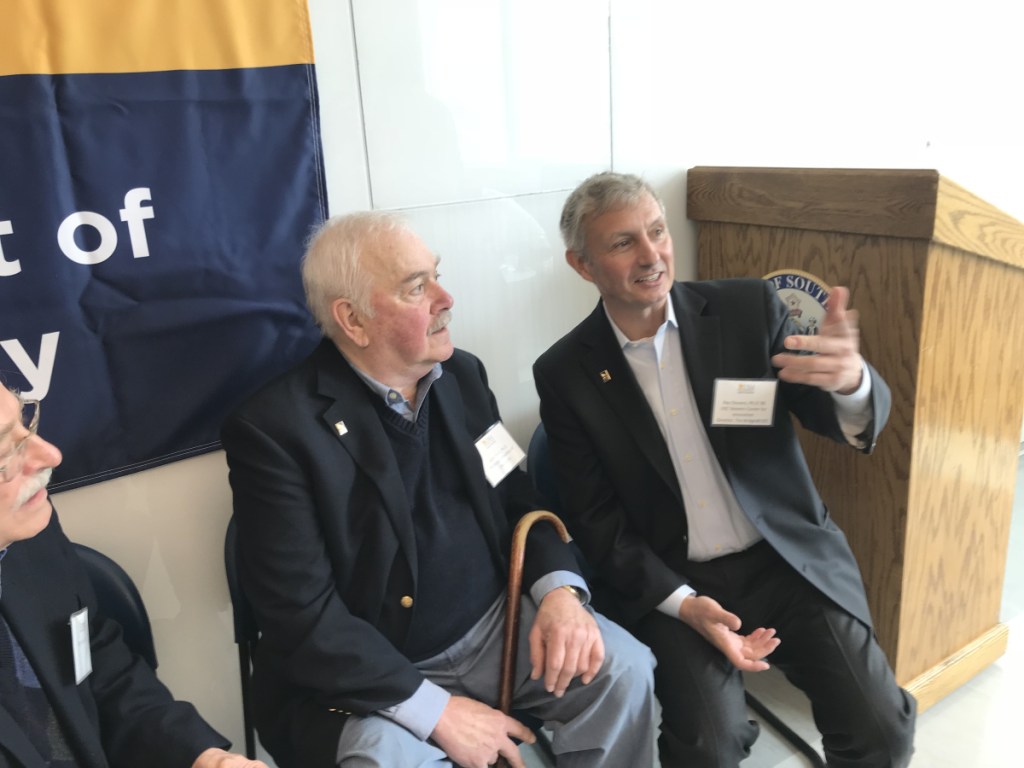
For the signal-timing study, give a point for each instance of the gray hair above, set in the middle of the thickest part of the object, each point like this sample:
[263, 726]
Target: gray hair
[599, 194]
[331, 266]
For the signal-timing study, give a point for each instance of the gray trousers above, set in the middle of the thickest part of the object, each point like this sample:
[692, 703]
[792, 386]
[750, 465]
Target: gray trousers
[608, 722]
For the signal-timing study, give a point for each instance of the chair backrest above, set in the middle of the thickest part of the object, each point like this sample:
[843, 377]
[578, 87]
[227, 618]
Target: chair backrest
[247, 632]
[119, 600]
[246, 629]
[542, 471]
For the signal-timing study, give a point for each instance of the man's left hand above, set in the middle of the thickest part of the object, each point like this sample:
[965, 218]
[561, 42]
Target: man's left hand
[564, 642]
[836, 364]
[218, 758]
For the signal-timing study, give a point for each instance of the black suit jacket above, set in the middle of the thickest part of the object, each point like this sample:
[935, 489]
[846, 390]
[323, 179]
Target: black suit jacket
[327, 546]
[618, 486]
[120, 715]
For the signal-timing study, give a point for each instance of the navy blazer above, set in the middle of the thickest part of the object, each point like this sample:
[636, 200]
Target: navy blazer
[328, 555]
[120, 715]
[620, 493]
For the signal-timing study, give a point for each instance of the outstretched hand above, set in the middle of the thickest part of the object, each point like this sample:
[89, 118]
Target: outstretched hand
[721, 628]
[835, 363]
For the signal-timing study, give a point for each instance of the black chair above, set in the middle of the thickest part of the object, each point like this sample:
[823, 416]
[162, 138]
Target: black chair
[541, 471]
[247, 633]
[119, 600]
[539, 468]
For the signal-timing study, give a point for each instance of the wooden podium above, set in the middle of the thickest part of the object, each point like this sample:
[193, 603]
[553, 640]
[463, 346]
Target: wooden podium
[938, 278]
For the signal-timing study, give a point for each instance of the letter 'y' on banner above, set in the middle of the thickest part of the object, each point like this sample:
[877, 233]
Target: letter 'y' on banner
[161, 170]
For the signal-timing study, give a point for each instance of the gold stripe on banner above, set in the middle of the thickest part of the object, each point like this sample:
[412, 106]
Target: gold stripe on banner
[60, 37]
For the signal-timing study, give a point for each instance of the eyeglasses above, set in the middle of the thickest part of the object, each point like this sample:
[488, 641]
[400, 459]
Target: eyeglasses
[12, 462]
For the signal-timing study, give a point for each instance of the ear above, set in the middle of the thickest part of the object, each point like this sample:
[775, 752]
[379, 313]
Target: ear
[350, 322]
[577, 261]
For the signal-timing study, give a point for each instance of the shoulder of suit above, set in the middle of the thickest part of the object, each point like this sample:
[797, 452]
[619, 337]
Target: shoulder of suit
[567, 346]
[565, 349]
[725, 286]
[47, 551]
[465, 368]
[462, 362]
[725, 292]
[295, 383]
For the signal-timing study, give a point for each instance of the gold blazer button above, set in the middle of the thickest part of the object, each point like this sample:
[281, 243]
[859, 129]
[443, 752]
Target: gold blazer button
[406, 601]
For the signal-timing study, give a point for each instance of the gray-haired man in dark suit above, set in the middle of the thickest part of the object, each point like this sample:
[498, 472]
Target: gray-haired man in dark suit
[708, 539]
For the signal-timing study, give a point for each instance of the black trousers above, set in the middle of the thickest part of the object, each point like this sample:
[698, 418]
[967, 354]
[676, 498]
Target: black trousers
[865, 718]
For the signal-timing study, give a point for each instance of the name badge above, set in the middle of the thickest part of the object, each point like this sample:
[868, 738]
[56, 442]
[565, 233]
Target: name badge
[500, 452]
[80, 644]
[744, 402]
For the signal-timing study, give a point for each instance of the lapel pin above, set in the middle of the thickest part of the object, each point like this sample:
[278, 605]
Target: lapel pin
[340, 428]
[605, 376]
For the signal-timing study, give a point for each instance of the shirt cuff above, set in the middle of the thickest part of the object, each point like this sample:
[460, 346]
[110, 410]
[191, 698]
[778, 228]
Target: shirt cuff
[670, 605]
[857, 399]
[557, 579]
[421, 711]
[853, 411]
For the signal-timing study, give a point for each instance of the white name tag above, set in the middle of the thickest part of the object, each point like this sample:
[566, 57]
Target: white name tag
[744, 402]
[80, 644]
[500, 452]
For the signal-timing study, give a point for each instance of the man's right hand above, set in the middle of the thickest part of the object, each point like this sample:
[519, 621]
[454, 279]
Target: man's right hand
[473, 735]
[721, 629]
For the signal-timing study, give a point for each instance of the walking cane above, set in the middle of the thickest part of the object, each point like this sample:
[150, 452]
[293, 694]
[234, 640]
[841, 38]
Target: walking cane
[515, 589]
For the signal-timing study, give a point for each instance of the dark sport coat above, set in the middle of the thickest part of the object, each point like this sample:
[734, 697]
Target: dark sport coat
[328, 555]
[120, 715]
[618, 486]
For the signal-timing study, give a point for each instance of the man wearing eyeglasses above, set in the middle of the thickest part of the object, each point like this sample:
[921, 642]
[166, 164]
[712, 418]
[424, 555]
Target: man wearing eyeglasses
[59, 709]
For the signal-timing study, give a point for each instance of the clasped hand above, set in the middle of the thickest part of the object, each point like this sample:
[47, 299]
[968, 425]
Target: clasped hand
[218, 758]
[565, 643]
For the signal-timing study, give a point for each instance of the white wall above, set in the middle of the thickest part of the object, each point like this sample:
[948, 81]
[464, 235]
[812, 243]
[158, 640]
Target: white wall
[475, 117]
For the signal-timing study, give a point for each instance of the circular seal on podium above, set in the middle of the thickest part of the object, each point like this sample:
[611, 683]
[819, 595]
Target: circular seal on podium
[806, 296]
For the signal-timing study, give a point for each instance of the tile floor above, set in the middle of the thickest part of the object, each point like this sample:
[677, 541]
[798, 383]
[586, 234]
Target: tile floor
[973, 727]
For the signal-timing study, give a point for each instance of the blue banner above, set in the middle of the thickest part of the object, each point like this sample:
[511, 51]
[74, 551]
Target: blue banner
[151, 228]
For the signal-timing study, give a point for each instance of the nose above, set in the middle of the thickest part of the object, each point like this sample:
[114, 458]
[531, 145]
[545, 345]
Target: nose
[649, 253]
[443, 300]
[40, 454]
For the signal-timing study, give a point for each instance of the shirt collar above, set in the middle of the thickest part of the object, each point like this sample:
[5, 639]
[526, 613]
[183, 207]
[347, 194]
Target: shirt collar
[392, 397]
[670, 321]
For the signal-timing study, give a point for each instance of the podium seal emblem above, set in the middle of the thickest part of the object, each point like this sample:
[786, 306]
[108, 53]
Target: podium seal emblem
[805, 295]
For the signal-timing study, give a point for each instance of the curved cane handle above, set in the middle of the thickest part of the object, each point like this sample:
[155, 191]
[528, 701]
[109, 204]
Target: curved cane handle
[515, 588]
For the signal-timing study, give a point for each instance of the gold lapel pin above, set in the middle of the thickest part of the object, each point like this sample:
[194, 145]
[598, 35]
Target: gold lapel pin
[605, 376]
[340, 428]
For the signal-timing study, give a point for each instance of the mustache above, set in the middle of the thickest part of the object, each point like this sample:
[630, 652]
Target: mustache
[443, 318]
[36, 484]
